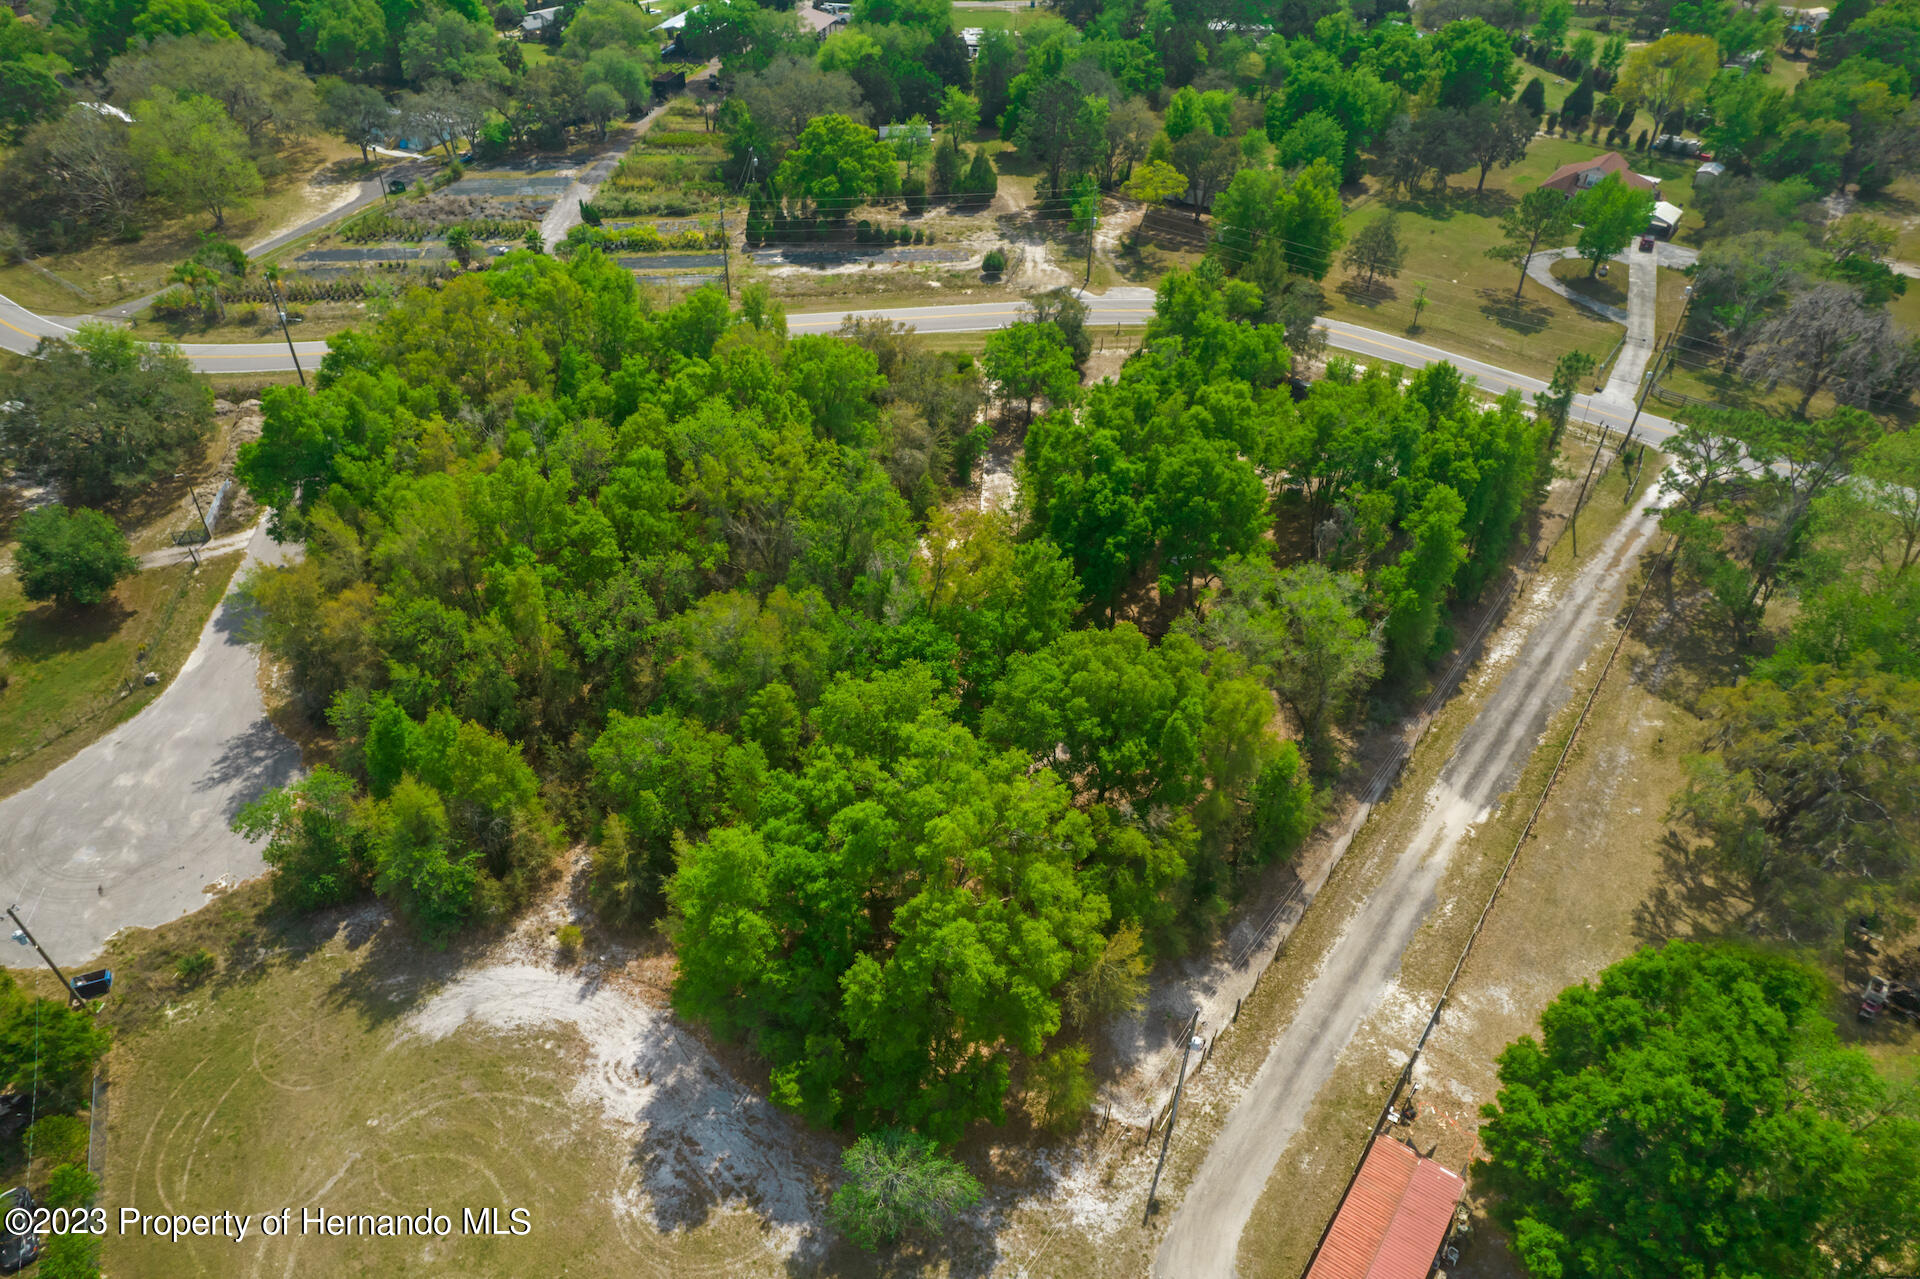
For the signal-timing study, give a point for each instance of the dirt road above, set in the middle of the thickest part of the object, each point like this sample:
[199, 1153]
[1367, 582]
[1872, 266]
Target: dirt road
[1487, 760]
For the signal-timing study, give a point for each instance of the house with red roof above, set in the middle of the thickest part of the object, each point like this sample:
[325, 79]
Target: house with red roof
[1572, 179]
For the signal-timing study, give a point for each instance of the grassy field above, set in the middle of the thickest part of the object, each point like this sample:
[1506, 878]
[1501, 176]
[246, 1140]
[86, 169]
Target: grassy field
[112, 271]
[291, 1079]
[65, 672]
[1471, 307]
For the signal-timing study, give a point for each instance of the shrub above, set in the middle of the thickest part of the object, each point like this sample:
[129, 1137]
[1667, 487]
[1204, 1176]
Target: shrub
[994, 263]
[1064, 1088]
[568, 937]
[193, 967]
[61, 1139]
[898, 1180]
[71, 1186]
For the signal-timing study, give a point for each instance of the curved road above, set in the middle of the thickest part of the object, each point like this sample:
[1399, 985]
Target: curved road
[20, 329]
[132, 829]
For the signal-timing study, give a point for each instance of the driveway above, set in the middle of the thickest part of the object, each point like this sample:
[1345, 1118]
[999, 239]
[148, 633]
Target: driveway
[134, 829]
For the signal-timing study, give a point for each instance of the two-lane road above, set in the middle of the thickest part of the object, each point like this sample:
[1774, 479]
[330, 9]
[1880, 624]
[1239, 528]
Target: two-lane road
[21, 329]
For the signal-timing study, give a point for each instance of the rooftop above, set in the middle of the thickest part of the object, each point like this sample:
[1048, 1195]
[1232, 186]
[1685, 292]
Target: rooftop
[1394, 1219]
[1578, 176]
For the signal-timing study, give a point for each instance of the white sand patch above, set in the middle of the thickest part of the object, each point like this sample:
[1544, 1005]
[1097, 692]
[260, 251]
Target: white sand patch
[701, 1139]
[1506, 643]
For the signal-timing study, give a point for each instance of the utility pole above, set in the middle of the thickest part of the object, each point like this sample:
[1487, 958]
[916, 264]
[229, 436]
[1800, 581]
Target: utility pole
[26, 938]
[726, 253]
[193, 554]
[1173, 1113]
[274, 288]
[1092, 224]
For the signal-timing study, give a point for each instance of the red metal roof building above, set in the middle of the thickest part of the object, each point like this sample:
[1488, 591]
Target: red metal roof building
[1572, 179]
[1394, 1219]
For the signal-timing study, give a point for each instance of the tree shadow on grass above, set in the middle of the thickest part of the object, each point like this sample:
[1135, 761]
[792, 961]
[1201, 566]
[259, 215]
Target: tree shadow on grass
[1372, 296]
[1447, 202]
[52, 631]
[1517, 314]
[1690, 902]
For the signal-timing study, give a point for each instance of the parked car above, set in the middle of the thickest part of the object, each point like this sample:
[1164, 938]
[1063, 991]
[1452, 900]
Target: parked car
[500, 250]
[17, 1251]
[1646, 244]
[1873, 1000]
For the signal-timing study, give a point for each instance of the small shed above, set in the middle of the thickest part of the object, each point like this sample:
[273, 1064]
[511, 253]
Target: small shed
[1394, 1220]
[538, 20]
[1666, 217]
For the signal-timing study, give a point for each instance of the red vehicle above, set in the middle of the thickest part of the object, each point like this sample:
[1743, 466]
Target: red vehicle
[1873, 999]
[1646, 244]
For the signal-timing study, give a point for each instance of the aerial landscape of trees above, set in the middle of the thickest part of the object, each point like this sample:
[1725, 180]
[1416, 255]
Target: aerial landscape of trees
[671, 580]
[915, 782]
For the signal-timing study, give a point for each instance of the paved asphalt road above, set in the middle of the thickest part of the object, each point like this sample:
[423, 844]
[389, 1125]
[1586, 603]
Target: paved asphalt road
[20, 329]
[133, 828]
[1204, 1237]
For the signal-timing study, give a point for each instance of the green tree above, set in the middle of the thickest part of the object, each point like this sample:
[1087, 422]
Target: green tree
[193, 155]
[604, 104]
[1064, 1088]
[1303, 630]
[59, 1139]
[1669, 74]
[1376, 251]
[835, 164]
[1540, 216]
[416, 864]
[1415, 586]
[1692, 1113]
[1810, 794]
[102, 413]
[1114, 985]
[70, 556]
[47, 1047]
[460, 244]
[1154, 182]
[1315, 136]
[1610, 214]
[1471, 63]
[71, 1186]
[316, 842]
[1498, 134]
[899, 1181]
[1027, 362]
[959, 113]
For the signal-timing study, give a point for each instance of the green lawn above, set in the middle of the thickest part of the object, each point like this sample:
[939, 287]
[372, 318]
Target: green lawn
[65, 670]
[1471, 308]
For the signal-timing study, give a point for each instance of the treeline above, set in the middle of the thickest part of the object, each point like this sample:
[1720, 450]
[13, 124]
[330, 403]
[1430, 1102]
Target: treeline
[916, 808]
[125, 113]
[1804, 808]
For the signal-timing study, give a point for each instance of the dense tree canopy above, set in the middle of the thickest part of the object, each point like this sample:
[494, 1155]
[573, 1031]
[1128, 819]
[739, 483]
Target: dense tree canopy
[102, 413]
[1692, 1114]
